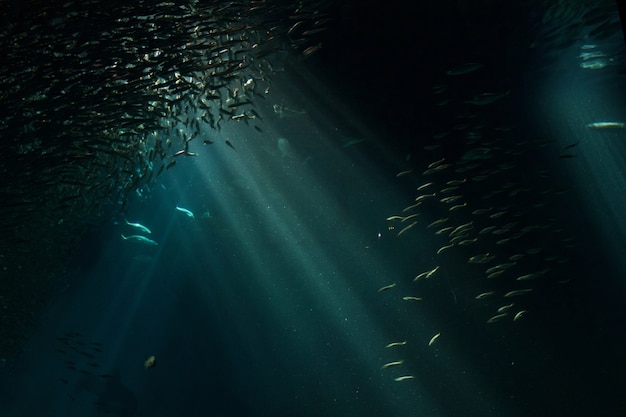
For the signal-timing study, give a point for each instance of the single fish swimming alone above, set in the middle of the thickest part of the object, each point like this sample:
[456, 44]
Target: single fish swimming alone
[138, 226]
[140, 239]
[187, 212]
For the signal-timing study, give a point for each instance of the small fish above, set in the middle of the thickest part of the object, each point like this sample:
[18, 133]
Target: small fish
[505, 308]
[404, 378]
[421, 187]
[433, 339]
[412, 298]
[458, 206]
[443, 248]
[184, 210]
[140, 239]
[424, 196]
[463, 69]
[407, 228]
[526, 277]
[150, 362]
[396, 344]
[386, 287]
[403, 173]
[487, 98]
[497, 317]
[429, 274]
[437, 222]
[481, 259]
[606, 125]
[462, 228]
[138, 226]
[518, 292]
[412, 216]
[451, 199]
[519, 315]
[230, 144]
[484, 295]
[395, 363]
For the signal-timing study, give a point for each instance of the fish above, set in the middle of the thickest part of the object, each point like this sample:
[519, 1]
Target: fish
[403, 378]
[150, 362]
[497, 317]
[484, 295]
[138, 226]
[352, 142]
[433, 339]
[504, 308]
[527, 277]
[424, 196]
[285, 149]
[482, 211]
[228, 142]
[396, 344]
[495, 274]
[437, 222]
[464, 69]
[412, 298]
[432, 271]
[407, 228]
[451, 199]
[403, 173]
[606, 125]
[140, 239]
[386, 287]
[423, 186]
[443, 248]
[412, 216]
[481, 259]
[487, 98]
[189, 213]
[390, 364]
[467, 242]
[518, 292]
[519, 315]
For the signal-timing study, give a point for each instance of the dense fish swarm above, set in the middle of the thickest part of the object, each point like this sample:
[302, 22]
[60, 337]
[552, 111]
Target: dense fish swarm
[485, 191]
[100, 97]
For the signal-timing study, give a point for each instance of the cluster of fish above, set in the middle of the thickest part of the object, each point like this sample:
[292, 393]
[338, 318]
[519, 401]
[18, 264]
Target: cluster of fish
[500, 238]
[86, 380]
[100, 97]
[139, 238]
[566, 23]
[82, 357]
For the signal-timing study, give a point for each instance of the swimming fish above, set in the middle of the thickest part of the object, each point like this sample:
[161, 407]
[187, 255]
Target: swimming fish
[433, 339]
[606, 125]
[150, 362]
[395, 344]
[140, 239]
[187, 212]
[395, 363]
[138, 226]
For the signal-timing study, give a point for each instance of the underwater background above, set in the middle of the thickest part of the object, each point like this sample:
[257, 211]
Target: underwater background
[337, 208]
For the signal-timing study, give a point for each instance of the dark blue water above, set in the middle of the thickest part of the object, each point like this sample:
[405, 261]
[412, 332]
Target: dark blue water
[266, 303]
